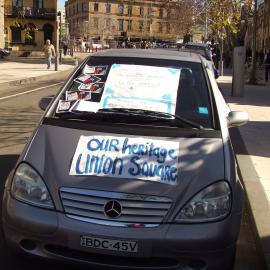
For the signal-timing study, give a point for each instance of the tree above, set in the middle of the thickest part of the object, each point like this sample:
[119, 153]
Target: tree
[229, 17]
[28, 29]
[222, 18]
[180, 14]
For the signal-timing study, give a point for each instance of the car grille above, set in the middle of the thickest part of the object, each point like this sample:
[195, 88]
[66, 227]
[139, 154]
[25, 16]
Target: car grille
[88, 205]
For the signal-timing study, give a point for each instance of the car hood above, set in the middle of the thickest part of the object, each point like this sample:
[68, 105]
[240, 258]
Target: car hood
[200, 163]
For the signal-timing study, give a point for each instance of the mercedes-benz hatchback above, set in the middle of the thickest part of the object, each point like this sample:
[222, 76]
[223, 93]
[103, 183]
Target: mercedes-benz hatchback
[131, 167]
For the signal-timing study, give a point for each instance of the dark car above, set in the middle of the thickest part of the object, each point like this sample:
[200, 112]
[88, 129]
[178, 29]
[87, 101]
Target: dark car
[4, 52]
[203, 50]
[131, 167]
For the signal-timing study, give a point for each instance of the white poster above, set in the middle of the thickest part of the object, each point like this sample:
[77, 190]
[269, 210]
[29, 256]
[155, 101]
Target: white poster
[141, 87]
[125, 157]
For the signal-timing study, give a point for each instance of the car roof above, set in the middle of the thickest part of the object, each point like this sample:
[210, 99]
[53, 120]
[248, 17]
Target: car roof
[161, 54]
[205, 53]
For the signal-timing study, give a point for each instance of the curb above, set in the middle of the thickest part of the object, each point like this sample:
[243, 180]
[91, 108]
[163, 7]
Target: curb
[33, 79]
[256, 200]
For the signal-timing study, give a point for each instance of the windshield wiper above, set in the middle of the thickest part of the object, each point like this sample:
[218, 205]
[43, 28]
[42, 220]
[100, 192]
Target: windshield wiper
[75, 115]
[129, 112]
[152, 114]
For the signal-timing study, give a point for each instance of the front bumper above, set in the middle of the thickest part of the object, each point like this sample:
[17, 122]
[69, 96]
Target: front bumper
[53, 235]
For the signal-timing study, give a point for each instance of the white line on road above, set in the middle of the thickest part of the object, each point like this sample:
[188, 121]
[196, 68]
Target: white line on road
[30, 91]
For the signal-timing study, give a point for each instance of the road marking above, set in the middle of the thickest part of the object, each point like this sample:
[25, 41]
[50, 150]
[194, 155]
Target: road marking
[30, 91]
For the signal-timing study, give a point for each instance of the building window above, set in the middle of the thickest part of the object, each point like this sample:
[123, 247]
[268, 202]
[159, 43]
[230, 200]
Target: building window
[108, 8]
[121, 25]
[129, 27]
[31, 31]
[17, 3]
[74, 10]
[84, 7]
[16, 36]
[149, 12]
[148, 26]
[161, 13]
[160, 27]
[108, 23]
[38, 4]
[141, 26]
[141, 11]
[129, 10]
[121, 9]
[168, 28]
[96, 7]
[96, 23]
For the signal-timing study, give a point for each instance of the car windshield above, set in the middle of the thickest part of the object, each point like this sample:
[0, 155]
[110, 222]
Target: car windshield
[138, 90]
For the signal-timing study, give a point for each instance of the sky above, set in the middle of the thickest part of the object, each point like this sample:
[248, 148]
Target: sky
[62, 3]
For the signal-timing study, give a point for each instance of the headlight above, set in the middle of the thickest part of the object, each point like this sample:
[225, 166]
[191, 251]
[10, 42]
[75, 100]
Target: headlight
[28, 186]
[211, 204]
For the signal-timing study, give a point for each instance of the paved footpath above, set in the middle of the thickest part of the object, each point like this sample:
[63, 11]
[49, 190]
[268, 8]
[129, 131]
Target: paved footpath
[254, 160]
[16, 71]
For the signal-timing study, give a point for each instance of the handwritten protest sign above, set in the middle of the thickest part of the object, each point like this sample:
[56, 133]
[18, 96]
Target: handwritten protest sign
[125, 157]
[131, 86]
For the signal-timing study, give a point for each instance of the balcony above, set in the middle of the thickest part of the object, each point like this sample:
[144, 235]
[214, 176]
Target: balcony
[30, 12]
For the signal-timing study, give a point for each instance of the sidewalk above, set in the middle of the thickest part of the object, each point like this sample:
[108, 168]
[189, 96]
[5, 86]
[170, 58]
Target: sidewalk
[16, 71]
[254, 161]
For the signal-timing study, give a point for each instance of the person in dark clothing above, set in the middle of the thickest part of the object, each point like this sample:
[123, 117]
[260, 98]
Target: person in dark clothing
[65, 48]
[248, 56]
[267, 64]
[261, 58]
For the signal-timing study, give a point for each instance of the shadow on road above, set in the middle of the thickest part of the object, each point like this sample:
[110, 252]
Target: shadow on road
[13, 128]
[7, 163]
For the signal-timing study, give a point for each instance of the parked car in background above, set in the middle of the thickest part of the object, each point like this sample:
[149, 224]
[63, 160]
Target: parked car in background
[203, 51]
[197, 46]
[131, 167]
[4, 52]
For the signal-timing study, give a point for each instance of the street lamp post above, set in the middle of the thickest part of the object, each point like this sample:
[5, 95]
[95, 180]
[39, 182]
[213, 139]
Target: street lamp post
[222, 47]
[206, 22]
[57, 40]
[2, 24]
[252, 77]
[60, 38]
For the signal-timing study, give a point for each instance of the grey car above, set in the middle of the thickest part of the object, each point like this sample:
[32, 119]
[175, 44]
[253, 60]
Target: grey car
[131, 167]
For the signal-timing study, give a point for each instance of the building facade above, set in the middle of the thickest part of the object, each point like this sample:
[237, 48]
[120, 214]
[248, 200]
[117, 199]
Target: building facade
[117, 20]
[263, 28]
[29, 23]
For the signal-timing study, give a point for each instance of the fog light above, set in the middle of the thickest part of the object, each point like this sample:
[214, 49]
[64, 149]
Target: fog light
[28, 244]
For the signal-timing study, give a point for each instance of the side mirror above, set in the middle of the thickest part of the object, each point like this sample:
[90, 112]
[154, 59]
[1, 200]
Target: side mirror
[236, 119]
[45, 102]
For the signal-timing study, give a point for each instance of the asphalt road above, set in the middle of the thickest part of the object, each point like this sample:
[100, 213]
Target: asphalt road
[18, 117]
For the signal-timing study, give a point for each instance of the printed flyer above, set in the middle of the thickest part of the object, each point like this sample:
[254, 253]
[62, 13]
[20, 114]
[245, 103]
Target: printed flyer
[141, 87]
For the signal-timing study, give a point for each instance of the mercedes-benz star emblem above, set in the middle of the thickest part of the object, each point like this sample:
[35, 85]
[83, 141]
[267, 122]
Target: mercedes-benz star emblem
[112, 209]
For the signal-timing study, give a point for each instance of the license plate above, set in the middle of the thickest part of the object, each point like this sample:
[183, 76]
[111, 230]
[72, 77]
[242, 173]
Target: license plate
[109, 244]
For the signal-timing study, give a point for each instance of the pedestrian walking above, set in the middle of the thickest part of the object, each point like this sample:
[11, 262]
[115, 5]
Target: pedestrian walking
[49, 52]
[267, 64]
[65, 48]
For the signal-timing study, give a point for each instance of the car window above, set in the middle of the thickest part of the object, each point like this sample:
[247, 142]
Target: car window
[164, 86]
